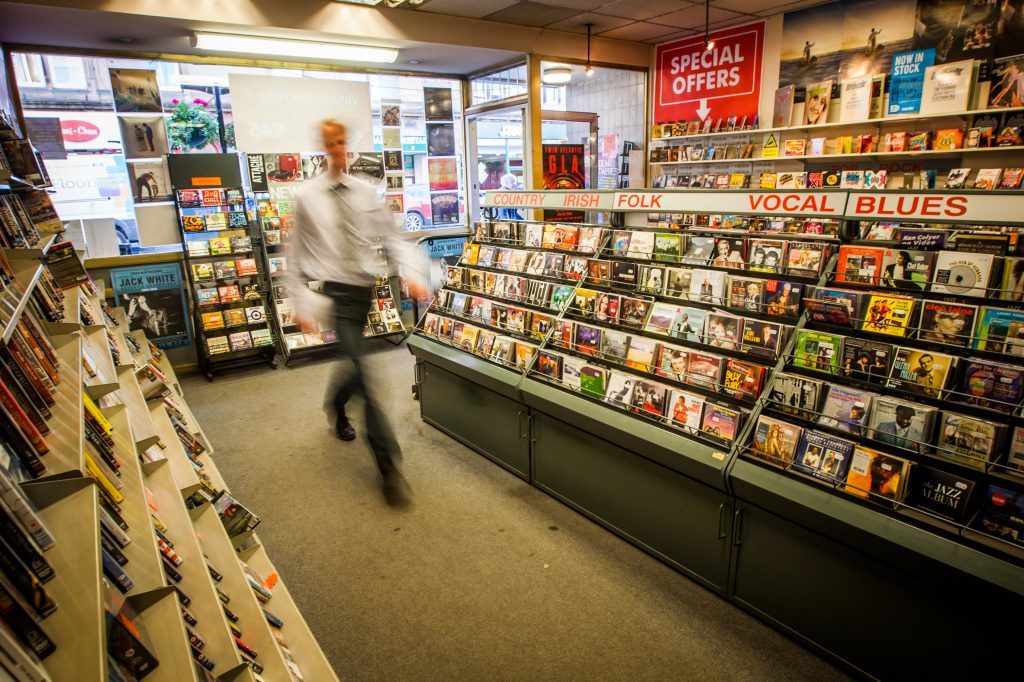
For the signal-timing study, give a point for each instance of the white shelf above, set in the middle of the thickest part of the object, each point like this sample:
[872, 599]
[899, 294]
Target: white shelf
[144, 562]
[66, 427]
[26, 275]
[184, 473]
[829, 157]
[99, 354]
[143, 430]
[69, 508]
[166, 637]
[910, 118]
[297, 635]
[196, 581]
[255, 629]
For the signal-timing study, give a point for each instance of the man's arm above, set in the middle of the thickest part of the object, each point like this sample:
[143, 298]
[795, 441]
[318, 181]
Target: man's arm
[304, 300]
[399, 251]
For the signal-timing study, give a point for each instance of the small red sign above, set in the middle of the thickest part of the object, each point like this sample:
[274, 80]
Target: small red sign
[78, 131]
[692, 82]
[207, 182]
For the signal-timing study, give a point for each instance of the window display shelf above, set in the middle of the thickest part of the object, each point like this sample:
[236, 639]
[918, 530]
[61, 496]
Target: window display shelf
[871, 122]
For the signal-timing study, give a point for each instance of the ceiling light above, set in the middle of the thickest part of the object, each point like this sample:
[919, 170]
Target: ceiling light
[556, 75]
[281, 47]
[590, 69]
[708, 43]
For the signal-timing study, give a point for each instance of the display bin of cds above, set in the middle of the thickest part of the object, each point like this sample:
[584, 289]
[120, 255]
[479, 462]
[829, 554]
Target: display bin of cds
[678, 322]
[892, 431]
[497, 307]
[275, 179]
[228, 281]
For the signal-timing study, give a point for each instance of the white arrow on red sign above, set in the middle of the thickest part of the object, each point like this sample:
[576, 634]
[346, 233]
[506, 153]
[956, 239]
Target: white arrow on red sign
[703, 110]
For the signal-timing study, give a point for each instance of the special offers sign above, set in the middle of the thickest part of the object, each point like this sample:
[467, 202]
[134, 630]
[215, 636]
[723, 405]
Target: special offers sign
[693, 82]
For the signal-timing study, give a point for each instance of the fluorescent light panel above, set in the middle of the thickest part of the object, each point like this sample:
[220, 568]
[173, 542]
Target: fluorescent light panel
[284, 47]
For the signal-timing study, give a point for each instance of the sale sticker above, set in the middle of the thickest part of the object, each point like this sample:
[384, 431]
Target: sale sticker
[692, 81]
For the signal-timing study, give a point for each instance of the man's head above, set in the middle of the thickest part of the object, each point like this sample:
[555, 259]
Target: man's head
[926, 362]
[904, 415]
[333, 134]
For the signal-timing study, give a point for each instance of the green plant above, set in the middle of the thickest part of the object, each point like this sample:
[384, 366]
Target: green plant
[191, 126]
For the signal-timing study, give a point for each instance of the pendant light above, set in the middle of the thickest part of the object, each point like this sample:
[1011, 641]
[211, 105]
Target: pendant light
[708, 43]
[590, 69]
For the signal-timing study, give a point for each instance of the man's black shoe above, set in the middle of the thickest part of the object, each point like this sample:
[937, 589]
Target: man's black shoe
[397, 492]
[344, 431]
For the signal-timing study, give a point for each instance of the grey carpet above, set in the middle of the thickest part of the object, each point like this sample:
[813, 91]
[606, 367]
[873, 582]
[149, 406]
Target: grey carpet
[484, 577]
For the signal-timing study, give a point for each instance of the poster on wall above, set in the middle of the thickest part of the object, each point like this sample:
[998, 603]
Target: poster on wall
[440, 139]
[437, 104]
[150, 180]
[564, 169]
[366, 166]
[280, 114]
[444, 208]
[154, 300]
[693, 83]
[47, 136]
[906, 81]
[313, 165]
[143, 137]
[840, 41]
[135, 90]
[958, 29]
[390, 114]
[443, 174]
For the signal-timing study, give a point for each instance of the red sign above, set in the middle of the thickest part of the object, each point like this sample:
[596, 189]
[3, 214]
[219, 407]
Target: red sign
[691, 82]
[564, 169]
[78, 131]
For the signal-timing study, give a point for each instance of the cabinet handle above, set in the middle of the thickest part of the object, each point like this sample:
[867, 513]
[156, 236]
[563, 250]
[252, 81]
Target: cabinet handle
[721, 521]
[737, 528]
[519, 416]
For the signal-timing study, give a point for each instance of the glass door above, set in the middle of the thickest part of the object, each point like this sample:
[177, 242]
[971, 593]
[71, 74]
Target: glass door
[577, 128]
[497, 154]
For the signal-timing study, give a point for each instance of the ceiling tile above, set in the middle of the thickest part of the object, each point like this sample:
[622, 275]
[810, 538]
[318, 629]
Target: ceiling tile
[585, 5]
[747, 6]
[678, 35]
[577, 24]
[770, 10]
[693, 17]
[640, 31]
[474, 9]
[531, 14]
[642, 9]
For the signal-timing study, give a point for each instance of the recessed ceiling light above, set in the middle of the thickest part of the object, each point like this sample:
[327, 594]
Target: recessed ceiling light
[283, 47]
[556, 75]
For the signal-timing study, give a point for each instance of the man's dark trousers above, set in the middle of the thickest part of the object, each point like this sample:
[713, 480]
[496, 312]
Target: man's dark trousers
[351, 305]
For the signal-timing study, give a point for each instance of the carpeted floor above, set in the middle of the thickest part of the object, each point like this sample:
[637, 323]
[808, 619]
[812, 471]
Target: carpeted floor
[484, 577]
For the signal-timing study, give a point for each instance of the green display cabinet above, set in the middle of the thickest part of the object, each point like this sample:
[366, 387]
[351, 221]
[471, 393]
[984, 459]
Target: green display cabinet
[658, 490]
[883, 597]
[474, 401]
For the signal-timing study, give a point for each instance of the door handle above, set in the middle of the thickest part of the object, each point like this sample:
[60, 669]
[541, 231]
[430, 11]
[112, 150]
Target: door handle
[737, 528]
[721, 521]
[519, 417]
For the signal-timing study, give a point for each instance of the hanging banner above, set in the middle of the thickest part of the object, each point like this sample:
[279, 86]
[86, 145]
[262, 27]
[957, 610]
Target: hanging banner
[564, 169]
[153, 297]
[692, 82]
[278, 114]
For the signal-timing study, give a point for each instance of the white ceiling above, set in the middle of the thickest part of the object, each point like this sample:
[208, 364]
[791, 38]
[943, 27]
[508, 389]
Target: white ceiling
[649, 21]
[86, 29]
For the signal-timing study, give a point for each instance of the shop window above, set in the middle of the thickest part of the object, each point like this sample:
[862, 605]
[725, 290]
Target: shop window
[28, 69]
[93, 186]
[498, 85]
[67, 73]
